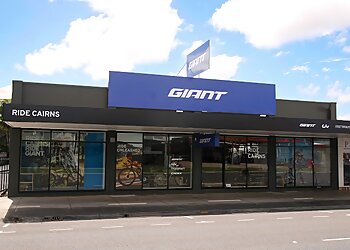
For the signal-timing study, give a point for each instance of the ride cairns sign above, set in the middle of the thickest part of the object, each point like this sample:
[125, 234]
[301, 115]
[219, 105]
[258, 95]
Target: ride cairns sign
[133, 90]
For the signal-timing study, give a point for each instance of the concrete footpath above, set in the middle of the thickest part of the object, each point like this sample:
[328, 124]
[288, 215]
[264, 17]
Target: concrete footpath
[38, 209]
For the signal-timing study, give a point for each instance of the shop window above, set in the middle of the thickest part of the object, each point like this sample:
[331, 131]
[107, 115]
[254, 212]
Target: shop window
[129, 161]
[35, 135]
[64, 166]
[65, 135]
[35, 159]
[58, 161]
[322, 163]
[212, 166]
[285, 162]
[91, 166]
[303, 142]
[235, 162]
[155, 161]
[180, 161]
[130, 137]
[257, 168]
[92, 136]
[305, 165]
[284, 142]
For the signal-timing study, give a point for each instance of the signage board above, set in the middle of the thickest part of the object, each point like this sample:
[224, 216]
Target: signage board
[198, 61]
[207, 140]
[132, 90]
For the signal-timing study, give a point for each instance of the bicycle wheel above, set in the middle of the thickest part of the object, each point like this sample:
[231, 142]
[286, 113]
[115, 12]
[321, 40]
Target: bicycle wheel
[126, 176]
[179, 180]
[160, 180]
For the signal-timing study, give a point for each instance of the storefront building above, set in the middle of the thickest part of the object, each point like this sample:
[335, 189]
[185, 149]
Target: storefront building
[162, 134]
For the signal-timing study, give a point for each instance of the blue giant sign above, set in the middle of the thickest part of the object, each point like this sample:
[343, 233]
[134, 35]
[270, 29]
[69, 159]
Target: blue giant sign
[198, 61]
[132, 90]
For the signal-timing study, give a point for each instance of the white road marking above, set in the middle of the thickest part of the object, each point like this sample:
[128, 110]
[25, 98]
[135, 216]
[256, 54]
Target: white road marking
[205, 222]
[127, 204]
[224, 200]
[295, 212]
[336, 239]
[245, 220]
[8, 232]
[347, 214]
[6, 225]
[305, 198]
[294, 242]
[164, 224]
[321, 216]
[322, 211]
[189, 217]
[27, 206]
[121, 196]
[284, 218]
[112, 227]
[60, 229]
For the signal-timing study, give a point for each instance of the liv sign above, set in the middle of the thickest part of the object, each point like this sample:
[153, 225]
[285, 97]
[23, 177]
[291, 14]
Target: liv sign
[131, 90]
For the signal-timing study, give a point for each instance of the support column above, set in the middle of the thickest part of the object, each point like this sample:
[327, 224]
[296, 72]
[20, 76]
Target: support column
[110, 161]
[14, 154]
[197, 169]
[271, 161]
[334, 164]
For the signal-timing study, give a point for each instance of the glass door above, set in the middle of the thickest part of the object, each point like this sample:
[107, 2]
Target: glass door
[212, 166]
[155, 161]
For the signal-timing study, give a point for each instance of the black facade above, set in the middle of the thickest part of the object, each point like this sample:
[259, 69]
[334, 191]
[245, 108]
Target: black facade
[153, 151]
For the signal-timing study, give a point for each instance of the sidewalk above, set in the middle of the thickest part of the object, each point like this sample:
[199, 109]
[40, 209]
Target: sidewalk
[35, 209]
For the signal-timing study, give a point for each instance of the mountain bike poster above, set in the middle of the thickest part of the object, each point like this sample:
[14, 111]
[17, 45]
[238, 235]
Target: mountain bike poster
[128, 166]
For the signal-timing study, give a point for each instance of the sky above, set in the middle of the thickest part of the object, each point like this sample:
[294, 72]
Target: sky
[303, 47]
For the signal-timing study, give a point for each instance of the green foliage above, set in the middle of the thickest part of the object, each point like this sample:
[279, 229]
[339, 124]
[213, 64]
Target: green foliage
[4, 129]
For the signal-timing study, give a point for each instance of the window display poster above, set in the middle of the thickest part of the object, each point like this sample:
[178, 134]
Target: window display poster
[346, 162]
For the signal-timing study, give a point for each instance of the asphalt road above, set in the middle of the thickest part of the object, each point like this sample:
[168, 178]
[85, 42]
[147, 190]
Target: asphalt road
[287, 230]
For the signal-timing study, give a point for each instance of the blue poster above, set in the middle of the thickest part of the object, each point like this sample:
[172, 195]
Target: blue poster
[94, 162]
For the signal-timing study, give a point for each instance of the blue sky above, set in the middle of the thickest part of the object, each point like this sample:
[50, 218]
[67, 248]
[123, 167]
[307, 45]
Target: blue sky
[301, 46]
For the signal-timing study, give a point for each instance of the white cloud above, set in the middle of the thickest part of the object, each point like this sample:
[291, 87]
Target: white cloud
[126, 33]
[325, 69]
[282, 53]
[347, 69]
[301, 68]
[309, 90]
[222, 67]
[339, 93]
[346, 49]
[219, 41]
[335, 60]
[19, 67]
[341, 38]
[6, 92]
[286, 73]
[189, 28]
[345, 117]
[272, 23]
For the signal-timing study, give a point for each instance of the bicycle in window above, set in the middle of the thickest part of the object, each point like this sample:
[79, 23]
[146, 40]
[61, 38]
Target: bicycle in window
[130, 172]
